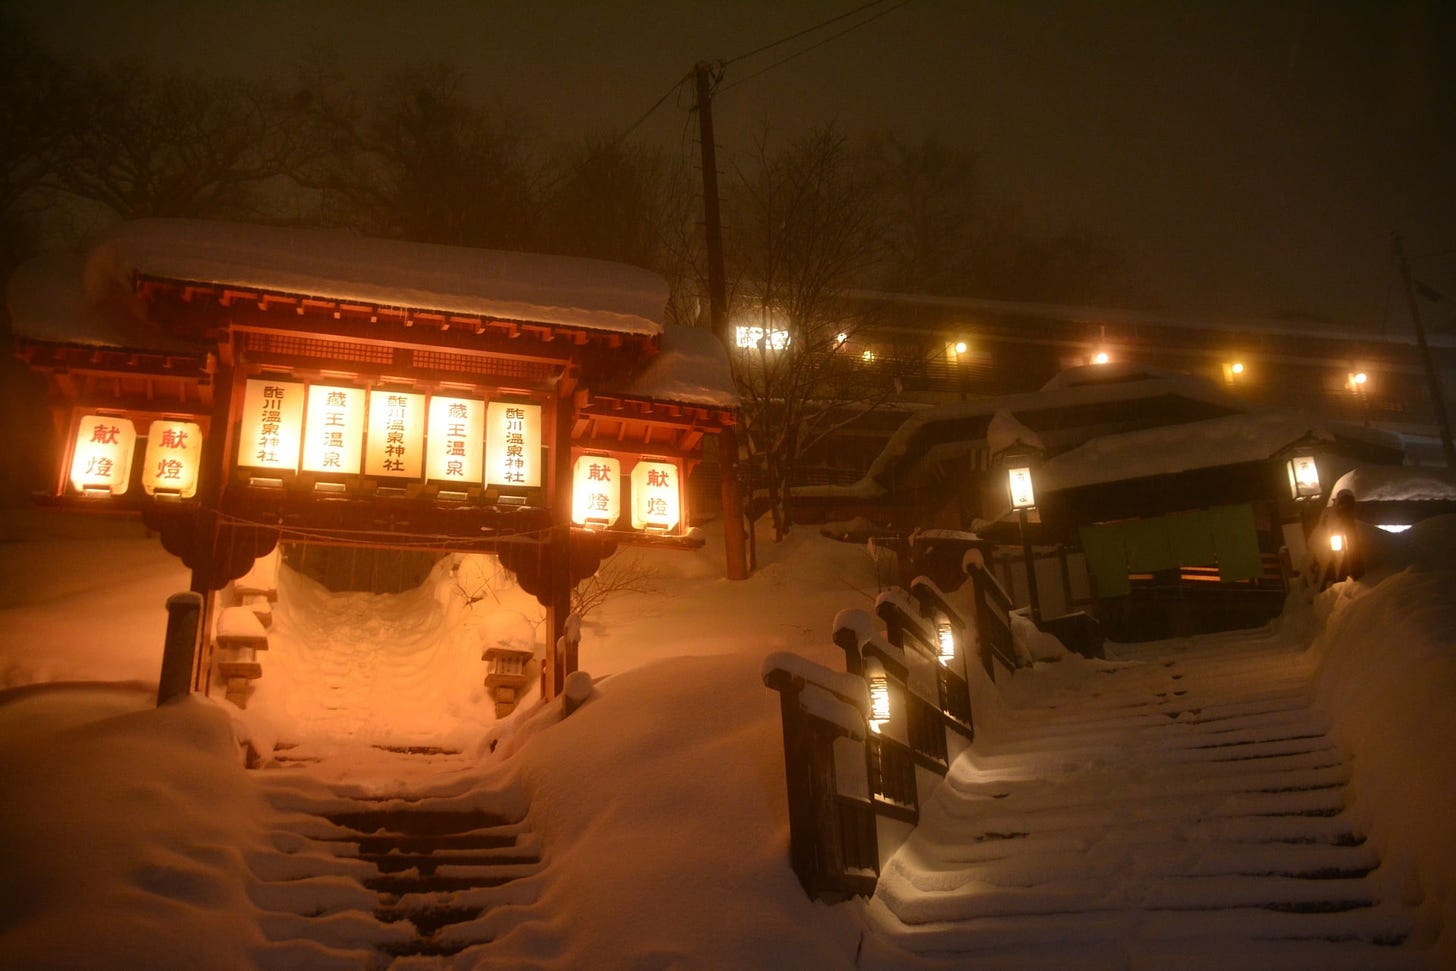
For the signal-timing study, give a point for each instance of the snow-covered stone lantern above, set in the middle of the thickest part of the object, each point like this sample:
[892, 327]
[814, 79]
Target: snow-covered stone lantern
[506, 676]
[240, 636]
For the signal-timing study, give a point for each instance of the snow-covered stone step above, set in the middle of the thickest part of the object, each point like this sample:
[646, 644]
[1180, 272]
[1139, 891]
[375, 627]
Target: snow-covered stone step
[1202, 855]
[1117, 940]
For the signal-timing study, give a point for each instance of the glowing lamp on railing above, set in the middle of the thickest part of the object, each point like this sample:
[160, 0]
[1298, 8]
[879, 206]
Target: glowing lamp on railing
[101, 460]
[1337, 542]
[879, 693]
[1304, 480]
[945, 640]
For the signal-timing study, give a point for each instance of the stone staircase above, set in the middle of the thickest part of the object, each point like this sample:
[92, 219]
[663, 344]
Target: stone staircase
[1180, 811]
[351, 880]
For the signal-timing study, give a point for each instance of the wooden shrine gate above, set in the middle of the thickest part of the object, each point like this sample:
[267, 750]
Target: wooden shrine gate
[237, 384]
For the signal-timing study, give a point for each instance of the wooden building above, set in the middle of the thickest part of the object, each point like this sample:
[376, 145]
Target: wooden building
[238, 385]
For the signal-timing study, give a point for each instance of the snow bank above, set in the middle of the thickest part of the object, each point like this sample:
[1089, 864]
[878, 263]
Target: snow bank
[1388, 676]
[107, 863]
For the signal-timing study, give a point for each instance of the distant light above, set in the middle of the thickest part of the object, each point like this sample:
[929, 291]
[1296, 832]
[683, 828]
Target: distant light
[1394, 527]
[1356, 380]
[1237, 367]
[841, 337]
[960, 347]
[1101, 357]
[1337, 542]
[867, 356]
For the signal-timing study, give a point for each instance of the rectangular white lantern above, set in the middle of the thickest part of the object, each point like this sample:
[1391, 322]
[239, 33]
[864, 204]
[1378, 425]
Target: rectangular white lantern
[101, 459]
[456, 450]
[396, 444]
[174, 456]
[656, 496]
[334, 430]
[272, 425]
[1018, 480]
[513, 444]
[1304, 481]
[596, 490]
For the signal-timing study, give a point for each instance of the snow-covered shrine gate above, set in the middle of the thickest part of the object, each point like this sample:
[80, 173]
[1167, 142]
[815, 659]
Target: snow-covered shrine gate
[233, 414]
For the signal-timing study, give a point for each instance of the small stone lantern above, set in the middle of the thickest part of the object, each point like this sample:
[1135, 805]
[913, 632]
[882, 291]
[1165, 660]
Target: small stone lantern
[240, 636]
[505, 676]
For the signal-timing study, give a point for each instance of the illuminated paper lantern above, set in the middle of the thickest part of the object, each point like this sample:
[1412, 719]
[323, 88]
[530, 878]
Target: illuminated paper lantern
[174, 455]
[656, 496]
[596, 492]
[513, 444]
[396, 434]
[101, 460]
[333, 440]
[456, 432]
[271, 425]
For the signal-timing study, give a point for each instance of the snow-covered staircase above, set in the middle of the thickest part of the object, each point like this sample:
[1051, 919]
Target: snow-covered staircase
[1179, 811]
[359, 881]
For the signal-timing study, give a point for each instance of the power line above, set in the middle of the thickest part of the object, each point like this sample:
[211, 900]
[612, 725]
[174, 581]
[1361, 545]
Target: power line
[815, 46]
[808, 30]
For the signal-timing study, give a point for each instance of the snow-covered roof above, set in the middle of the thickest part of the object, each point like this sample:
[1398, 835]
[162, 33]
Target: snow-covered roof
[1397, 483]
[47, 301]
[1052, 397]
[1170, 449]
[341, 265]
[692, 368]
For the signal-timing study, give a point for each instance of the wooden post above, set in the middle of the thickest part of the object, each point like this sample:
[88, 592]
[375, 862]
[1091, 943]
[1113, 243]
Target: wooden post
[179, 652]
[558, 499]
[733, 523]
[211, 476]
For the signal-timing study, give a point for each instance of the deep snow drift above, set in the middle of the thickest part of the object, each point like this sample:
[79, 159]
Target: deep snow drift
[132, 836]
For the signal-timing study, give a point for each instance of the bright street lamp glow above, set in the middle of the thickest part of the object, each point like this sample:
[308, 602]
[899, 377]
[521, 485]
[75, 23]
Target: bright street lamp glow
[1101, 357]
[960, 347]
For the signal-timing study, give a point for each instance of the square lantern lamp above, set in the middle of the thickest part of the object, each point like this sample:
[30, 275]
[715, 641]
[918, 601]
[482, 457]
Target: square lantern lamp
[1304, 481]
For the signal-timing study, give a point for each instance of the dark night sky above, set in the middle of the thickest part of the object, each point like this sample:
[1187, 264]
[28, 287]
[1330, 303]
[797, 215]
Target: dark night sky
[1248, 158]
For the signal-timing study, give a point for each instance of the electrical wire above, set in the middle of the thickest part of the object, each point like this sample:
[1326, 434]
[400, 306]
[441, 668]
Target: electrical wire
[797, 34]
[815, 46]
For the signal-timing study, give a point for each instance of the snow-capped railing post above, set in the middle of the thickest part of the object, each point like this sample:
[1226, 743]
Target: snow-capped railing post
[833, 846]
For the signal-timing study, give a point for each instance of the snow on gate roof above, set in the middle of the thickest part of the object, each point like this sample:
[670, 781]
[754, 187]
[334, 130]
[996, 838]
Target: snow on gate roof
[338, 265]
[343, 265]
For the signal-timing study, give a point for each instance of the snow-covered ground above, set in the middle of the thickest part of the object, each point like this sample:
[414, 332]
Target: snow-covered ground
[134, 837]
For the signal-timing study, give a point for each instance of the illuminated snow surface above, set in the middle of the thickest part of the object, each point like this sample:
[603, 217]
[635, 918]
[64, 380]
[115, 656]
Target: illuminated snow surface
[134, 837]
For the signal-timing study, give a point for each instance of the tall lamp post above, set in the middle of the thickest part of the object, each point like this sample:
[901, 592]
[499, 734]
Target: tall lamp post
[1023, 500]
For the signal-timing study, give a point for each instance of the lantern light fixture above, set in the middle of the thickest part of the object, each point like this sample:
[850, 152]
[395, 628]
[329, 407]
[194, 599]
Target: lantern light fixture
[1304, 481]
[1337, 542]
[1019, 487]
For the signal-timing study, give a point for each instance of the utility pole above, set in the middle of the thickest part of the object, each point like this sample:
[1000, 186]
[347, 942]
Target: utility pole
[706, 75]
[1433, 379]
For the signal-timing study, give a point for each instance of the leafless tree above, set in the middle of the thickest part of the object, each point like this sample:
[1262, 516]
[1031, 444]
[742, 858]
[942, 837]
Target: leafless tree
[416, 158]
[800, 237]
[142, 144]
